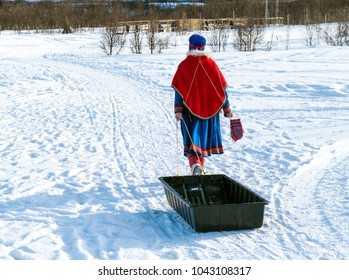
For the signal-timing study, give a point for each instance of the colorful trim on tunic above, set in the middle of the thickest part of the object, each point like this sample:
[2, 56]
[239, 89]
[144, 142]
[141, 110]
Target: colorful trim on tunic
[205, 134]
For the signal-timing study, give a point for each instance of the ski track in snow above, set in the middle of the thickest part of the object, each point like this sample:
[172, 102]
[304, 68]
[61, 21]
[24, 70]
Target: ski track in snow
[86, 140]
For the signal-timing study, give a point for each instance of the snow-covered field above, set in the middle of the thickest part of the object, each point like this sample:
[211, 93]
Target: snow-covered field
[85, 136]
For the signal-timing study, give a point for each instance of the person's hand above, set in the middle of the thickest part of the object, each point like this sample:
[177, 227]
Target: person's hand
[178, 116]
[229, 114]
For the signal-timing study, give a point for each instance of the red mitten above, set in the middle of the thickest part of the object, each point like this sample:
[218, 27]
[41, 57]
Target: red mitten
[236, 129]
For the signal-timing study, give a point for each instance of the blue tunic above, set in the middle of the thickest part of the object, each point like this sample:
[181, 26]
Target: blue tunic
[205, 136]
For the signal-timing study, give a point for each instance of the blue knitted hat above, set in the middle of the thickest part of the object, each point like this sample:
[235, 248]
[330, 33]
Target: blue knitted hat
[197, 41]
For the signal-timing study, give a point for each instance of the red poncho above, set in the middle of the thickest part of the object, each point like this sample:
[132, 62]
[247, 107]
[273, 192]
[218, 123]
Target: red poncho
[201, 84]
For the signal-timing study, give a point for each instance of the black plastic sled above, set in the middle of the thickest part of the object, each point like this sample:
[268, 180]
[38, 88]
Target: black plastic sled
[214, 202]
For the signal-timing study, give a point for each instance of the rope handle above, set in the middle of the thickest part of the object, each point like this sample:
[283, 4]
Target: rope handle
[191, 139]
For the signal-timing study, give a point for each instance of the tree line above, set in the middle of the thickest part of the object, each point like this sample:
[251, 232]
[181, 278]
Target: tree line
[71, 14]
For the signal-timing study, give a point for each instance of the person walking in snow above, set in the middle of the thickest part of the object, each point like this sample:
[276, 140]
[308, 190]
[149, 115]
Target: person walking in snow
[200, 94]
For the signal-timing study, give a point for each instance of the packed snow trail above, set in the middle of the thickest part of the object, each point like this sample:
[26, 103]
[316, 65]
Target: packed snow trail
[305, 211]
[84, 138]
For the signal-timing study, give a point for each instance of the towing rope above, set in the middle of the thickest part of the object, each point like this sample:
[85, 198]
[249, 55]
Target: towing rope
[191, 139]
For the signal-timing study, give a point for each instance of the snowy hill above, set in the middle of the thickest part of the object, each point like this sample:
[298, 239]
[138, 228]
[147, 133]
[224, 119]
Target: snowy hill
[85, 136]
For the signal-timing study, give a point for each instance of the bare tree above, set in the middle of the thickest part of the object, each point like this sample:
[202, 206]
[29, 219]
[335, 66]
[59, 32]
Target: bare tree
[248, 36]
[311, 31]
[67, 29]
[163, 43]
[112, 41]
[136, 41]
[343, 31]
[271, 43]
[219, 38]
[152, 35]
[288, 31]
[337, 35]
